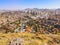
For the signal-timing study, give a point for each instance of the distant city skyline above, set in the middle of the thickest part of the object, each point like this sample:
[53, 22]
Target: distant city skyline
[23, 4]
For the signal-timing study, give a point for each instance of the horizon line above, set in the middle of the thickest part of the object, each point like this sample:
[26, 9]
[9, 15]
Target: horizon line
[29, 8]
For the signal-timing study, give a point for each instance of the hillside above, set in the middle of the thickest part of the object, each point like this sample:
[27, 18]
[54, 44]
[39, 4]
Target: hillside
[30, 27]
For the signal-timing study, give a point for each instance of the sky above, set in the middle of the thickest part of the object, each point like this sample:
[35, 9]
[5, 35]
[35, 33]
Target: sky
[22, 4]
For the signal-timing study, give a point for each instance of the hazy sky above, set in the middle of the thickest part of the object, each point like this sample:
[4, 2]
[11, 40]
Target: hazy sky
[22, 4]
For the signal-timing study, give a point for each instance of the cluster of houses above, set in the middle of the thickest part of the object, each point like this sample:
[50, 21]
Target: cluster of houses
[30, 20]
